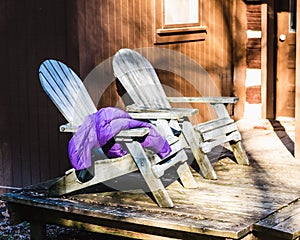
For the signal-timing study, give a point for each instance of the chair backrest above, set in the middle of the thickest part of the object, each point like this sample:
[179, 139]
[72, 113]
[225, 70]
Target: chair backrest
[66, 90]
[139, 78]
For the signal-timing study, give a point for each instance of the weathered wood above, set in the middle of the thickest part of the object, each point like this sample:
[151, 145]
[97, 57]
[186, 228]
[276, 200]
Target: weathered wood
[159, 169]
[221, 110]
[134, 132]
[185, 176]
[220, 131]
[223, 209]
[239, 152]
[68, 93]
[201, 158]
[37, 230]
[155, 185]
[283, 223]
[104, 170]
[206, 147]
[173, 113]
[215, 123]
[142, 84]
[211, 100]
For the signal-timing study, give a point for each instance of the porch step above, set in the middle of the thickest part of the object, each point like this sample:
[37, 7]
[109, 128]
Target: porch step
[282, 224]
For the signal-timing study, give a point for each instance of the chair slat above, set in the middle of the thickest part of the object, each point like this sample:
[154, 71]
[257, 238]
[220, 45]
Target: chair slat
[220, 131]
[66, 90]
[144, 86]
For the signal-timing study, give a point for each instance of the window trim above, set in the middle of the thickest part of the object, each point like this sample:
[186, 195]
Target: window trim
[172, 33]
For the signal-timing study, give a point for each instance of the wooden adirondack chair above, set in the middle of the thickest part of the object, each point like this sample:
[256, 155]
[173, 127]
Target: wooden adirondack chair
[70, 96]
[141, 82]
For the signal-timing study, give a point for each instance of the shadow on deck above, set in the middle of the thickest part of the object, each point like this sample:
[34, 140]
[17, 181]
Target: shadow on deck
[259, 201]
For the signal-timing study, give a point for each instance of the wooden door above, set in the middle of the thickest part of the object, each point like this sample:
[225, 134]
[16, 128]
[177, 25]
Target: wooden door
[286, 59]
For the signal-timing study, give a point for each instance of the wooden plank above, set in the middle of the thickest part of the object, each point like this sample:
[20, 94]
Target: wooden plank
[215, 123]
[104, 170]
[66, 90]
[173, 112]
[220, 131]
[239, 152]
[207, 146]
[37, 230]
[202, 159]
[212, 100]
[283, 223]
[166, 224]
[113, 231]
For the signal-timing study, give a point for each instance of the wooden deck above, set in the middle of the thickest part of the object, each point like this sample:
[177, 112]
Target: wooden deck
[259, 201]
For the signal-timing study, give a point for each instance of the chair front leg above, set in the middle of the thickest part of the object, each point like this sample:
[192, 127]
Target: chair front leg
[202, 159]
[144, 165]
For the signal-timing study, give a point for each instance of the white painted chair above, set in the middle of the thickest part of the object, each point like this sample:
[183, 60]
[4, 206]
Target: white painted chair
[70, 96]
[142, 84]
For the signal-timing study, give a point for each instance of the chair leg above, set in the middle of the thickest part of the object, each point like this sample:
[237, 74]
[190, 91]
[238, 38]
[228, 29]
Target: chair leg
[186, 176]
[37, 230]
[155, 184]
[239, 152]
[203, 162]
[205, 166]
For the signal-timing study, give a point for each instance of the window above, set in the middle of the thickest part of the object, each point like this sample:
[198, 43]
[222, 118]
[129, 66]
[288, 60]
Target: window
[181, 12]
[178, 21]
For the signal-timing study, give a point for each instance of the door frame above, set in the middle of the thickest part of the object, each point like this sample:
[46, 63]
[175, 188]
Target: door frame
[268, 67]
[268, 59]
[297, 94]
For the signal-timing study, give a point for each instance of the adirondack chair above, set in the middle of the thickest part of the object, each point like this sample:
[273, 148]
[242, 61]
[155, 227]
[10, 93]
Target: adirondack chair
[70, 96]
[142, 84]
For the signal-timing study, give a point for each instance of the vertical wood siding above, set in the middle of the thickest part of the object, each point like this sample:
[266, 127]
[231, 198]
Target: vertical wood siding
[108, 25]
[31, 149]
[83, 34]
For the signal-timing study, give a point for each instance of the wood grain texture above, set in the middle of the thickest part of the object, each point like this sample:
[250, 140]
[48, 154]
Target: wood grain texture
[226, 208]
[83, 34]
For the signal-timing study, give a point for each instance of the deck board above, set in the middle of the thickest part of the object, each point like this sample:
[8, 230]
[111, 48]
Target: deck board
[284, 223]
[225, 208]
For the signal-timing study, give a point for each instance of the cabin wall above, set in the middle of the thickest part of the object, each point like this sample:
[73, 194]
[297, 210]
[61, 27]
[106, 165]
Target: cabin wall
[253, 103]
[31, 148]
[84, 34]
[106, 26]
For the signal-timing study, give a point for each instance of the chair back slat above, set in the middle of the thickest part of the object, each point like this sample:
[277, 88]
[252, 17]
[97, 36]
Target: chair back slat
[66, 90]
[139, 78]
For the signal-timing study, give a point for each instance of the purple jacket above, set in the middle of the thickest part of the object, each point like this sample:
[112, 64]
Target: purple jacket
[98, 128]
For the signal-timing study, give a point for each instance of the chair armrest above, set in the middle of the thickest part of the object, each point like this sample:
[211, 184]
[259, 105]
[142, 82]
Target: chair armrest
[211, 100]
[134, 132]
[68, 127]
[126, 136]
[156, 115]
[170, 113]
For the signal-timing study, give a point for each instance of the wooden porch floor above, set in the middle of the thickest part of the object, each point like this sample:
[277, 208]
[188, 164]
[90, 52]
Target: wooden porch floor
[246, 202]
